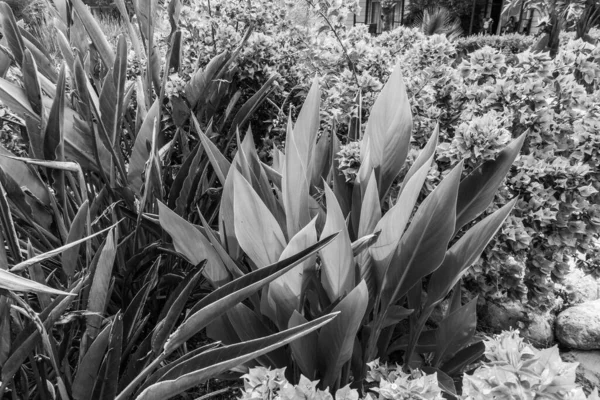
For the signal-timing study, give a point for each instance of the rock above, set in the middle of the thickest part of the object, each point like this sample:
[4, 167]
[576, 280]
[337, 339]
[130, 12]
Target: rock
[578, 327]
[539, 330]
[580, 287]
[588, 371]
[498, 317]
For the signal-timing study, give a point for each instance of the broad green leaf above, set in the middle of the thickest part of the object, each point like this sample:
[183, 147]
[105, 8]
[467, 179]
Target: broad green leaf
[8, 229]
[41, 257]
[95, 33]
[217, 361]
[70, 257]
[251, 105]
[192, 244]
[337, 271]
[464, 253]
[5, 61]
[285, 292]
[36, 273]
[166, 325]
[141, 152]
[295, 184]
[132, 34]
[31, 84]
[5, 345]
[200, 81]
[16, 283]
[249, 326]
[256, 228]
[304, 350]
[49, 316]
[342, 190]
[307, 126]
[423, 246]
[463, 358]
[392, 225]
[425, 156]
[184, 186]
[321, 162]
[478, 189]
[54, 142]
[217, 160]
[336, 340]
[257, 177]
[387, 135]
[46, 66]
[108, 385]
[87, 370]
[222, 299]
[11, 32]
[229, 263]
[455, 331]
[226, 215]
[445, 382]
[99, 289]
[77, 134]
[370, 213]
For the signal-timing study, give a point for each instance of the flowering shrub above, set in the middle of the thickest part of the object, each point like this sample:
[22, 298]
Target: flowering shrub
[480, 101]
[512, 43]
[265, 384]
[512, 369]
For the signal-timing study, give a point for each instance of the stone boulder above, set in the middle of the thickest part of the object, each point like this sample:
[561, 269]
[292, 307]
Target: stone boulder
[501, 316]
[539, 329]
[588, 371]
[578, 327]
[580, 287]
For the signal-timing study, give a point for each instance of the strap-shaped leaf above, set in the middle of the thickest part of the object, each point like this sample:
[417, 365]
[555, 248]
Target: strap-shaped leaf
[295, 184]
[337, 271]
[304, 350]
[95, 33]
[392, 225]
[285, 292]
[478, 189]
[455, 331]
[256, 228]
[12, 33]
[213, 362]
[225, 297]
[87, 370]
[387, 135]
[463, 254]
[100, 284]
[423, 246]
[336, 340]
[192, 244]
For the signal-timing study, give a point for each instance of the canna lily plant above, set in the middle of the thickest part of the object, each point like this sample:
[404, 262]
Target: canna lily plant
[103, 282]
[384, 267]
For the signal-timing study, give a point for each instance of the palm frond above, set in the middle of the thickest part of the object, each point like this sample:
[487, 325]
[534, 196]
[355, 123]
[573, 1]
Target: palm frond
[438, 21]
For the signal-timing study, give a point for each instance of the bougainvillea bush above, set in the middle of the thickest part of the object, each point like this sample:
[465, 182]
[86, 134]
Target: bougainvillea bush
[512, 369]
[481, 100]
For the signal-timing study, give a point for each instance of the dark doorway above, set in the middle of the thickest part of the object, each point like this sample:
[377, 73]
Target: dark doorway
[496, 14]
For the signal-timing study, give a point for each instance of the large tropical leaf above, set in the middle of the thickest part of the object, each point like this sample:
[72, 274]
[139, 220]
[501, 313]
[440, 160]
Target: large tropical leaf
[337, 271]
[336, 340]
[213, 362]
[478, 189]
[387, 135]
[423, 246]
[256, 228]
